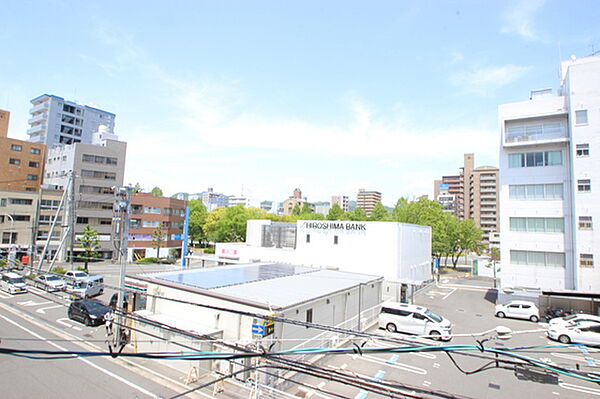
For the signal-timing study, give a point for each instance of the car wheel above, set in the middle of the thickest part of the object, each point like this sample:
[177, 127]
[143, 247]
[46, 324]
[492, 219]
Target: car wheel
[70, 315]
[87, 321]
[391, 327]
[435, 335]
[500, 315]
[534, 318]
[564, 339]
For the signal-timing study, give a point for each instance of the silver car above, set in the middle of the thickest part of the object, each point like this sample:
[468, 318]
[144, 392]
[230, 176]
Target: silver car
[50, 282]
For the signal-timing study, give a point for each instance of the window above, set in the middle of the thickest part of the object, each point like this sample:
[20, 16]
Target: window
[533, 159]
[335, 240]
[35, 151]
[16, 147]
[33, 164]
[105, 221]
[14, 161]
[581, 117]
[32, 177]
[2, 201]
[82, 220]
[535, 191]
[585, 223]
[20, 201]
[87, 158]
[9, 237]
[152, 209]
[150, 223]
[582, 150]
[21, 218]
[584, 185]
[309, 316]
[586, 260]
[534, 258]
[308, 238]
[111, 161]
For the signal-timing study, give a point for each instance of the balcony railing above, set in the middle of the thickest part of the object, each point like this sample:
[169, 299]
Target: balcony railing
[536, 132]
[38, 108]
[37, 118]
[36, 129]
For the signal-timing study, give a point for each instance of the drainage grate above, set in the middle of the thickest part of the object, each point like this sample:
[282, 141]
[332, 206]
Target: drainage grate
[495, 386]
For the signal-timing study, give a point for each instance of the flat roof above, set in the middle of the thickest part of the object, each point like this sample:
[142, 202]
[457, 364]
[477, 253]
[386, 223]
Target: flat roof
[270, 285]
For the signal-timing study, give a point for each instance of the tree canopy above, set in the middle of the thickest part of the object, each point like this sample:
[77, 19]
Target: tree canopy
[157, 192]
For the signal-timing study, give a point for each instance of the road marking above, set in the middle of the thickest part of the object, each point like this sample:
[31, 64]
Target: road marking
[311, 392]
[568, 357]
[579, 388]
[436, 365]
[425, 355]
[448, 294]
[363, 394]
[64, 323]
[86, 361]
[43, 310]
[590, 360]
[396, 365]
[32, 303]
[5, 295]
[555, 393]
[427, 383]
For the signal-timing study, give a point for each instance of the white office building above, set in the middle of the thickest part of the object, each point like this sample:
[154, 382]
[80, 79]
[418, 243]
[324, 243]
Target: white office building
[550, 179]
[56, 121]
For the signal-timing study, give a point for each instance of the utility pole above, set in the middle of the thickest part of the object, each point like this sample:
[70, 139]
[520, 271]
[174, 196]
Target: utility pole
[72, 216]
[66, 226]
[122, 210]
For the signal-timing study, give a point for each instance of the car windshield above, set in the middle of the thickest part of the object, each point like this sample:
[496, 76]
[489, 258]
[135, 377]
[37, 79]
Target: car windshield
[571, 317]
[95, 307]
[80, 274]
[433, 316]
[17, 280]
[80, 284]
[52, 278]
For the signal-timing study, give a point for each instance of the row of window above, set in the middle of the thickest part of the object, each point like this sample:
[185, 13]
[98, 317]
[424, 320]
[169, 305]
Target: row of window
[99, 159]
[136, 224]
[16, 201]
[16, 218]
[18, 147]
[535, 191]
[537, 225]
[16, 161]
[95, 190]
[95, 205]
[533, 159]
[98, 174]
[86, 220]
[549, 259]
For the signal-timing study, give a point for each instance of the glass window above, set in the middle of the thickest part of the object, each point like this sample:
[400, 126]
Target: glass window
[535, 191]
[535, 258]
[32, 177]
[35, 150]
[584, 185]
[516, 191]
[582, 150]
[14, 161]
[585, 223]
[555, 259]
[553, 158]
[516, 160]
[586, 260]
[518, 224]
[16, 147]
[518, 257]
[554, 191]
[581, 117]
[536, 225]
[150, 223]
[152, 209]
[34, 164]
[555, 225]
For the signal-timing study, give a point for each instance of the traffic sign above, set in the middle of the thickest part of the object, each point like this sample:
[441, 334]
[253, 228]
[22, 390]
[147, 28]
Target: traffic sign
[258, 329]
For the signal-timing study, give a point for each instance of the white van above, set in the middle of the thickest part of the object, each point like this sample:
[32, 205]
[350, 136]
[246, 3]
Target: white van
[13, 283]
[86, 288]
[412, 319]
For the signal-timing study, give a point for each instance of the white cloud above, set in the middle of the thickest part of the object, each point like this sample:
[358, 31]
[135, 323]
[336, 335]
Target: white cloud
[519, 18]
[485, 80]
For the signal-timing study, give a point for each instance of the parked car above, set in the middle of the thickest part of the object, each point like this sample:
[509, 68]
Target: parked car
[412, 319]
[75, 275]
[90, 313]
[573, 319]
[87, 287]
[519, 310]
[50, 282]
[115, 297]
[13, 283]
[584, 332]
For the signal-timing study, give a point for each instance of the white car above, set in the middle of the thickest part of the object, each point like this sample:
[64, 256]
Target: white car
[412, 319]
[76, 275]
[581, 333]
[573, 319]
[519, 310]
[50, 282]
[13, 283]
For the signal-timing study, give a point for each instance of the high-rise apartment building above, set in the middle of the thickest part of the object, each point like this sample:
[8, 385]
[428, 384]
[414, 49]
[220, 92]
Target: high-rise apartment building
[342, 201]
[21, 162]
[366, 200]
[56, 121]
[550, 168]
[97, 168]
[473, 194]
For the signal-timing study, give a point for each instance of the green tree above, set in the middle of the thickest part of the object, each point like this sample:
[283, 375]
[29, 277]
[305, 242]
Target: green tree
[158, 237]
[198, 214]
[90, 244]
[297, 211]
[210, 225]
[335, 213]
[379, 213]
[227, 224]
[493, 262]
[306, 209]
[157, 192]
[464, 239]
[137, 188]
[358, 215]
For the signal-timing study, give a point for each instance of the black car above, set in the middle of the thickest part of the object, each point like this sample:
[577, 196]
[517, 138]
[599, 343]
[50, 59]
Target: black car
[114, 299]
[90, 313]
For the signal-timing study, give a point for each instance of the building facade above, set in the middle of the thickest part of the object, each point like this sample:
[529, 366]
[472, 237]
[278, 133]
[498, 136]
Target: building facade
[56, 121]
[366, 200]
[96, 168]
[296, 200]
[22, 162]
[550, 173]
[343, 201]
[210, 199]
[18, 211]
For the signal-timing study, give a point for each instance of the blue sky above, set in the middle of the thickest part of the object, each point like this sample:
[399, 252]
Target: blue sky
[328, 96]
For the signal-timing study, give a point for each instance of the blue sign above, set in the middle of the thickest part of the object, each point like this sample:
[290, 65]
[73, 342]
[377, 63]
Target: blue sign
[258, 329]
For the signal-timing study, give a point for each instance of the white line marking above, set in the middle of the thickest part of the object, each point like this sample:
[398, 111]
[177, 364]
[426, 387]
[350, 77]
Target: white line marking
[110, 374]
[32, 303]
[400, 366]
[569, 357]
[311, 392]
[5, 295]
[579, 388]
[43, 310]
[436, 365]
[448, 294]
[555, 393]
[425, 355]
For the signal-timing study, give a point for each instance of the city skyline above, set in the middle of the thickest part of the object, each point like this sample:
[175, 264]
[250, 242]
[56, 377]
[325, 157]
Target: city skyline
[326, 97]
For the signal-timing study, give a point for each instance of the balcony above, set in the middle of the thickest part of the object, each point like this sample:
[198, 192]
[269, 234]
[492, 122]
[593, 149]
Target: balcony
[36, 129]
[38, 118]
[38, 108]
[536, 131]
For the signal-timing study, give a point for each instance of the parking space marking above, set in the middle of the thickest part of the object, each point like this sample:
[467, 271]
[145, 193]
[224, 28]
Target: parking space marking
[311, 392]
[43, 310]
[448, 294]
[590, 360]
[363, 394]
[396, 365]
[568, 357]
[67, 324]
[5, 295]
[425, 355]
[32, 303]
[578, 388]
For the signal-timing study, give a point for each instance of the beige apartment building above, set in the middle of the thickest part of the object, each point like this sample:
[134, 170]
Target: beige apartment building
[476, 195]
[18, 211]
[22, 162]
[366, 200]
[293, 201]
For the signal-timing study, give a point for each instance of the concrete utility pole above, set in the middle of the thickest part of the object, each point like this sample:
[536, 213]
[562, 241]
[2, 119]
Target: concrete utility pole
[122, 210]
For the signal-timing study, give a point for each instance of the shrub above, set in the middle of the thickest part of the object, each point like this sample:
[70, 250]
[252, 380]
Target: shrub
[58, 270]
[147, 260]
[209, 250]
